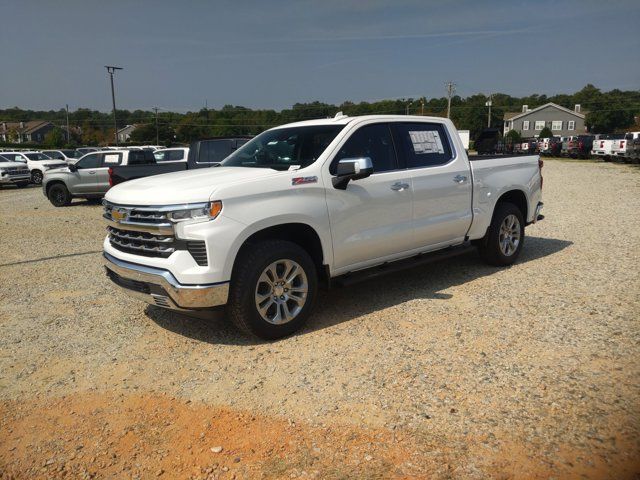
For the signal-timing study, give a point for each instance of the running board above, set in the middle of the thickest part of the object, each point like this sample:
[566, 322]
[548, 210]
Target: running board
[399, 265]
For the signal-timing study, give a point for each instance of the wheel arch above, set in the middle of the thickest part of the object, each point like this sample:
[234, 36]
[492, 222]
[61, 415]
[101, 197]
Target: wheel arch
[299, 233]
[516, 197]
[53, 182]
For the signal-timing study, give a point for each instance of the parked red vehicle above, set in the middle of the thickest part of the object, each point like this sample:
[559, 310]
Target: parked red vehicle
[580, 146]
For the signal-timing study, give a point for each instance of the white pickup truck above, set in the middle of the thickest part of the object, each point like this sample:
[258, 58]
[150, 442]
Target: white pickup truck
[305, 204]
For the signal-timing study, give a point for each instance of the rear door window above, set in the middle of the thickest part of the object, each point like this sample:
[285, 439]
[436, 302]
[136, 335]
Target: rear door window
[423, 144]
[110, 159]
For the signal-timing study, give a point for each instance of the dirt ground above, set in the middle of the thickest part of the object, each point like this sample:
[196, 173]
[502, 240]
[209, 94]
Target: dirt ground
[454, 370]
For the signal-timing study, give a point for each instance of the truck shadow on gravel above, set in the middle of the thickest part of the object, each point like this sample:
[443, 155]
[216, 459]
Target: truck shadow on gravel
[340, 305]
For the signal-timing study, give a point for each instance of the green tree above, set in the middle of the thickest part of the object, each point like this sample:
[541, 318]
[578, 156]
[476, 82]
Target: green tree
[545, 133]
[147, 134]
[512, 136]
[55, 138]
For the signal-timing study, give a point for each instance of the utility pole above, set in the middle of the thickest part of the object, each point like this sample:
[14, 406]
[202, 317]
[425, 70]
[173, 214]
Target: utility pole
[111, 69]
[156, 110]
[407, 108]
[488, 104]
[68, 131]
[451, 88]
[422, 106]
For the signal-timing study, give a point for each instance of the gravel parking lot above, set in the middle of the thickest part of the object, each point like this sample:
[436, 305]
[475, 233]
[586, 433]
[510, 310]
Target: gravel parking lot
[454, 370]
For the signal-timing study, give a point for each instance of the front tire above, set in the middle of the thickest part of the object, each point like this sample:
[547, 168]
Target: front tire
[503, 241]
[59, 195]
[273, 289]
[36, 177]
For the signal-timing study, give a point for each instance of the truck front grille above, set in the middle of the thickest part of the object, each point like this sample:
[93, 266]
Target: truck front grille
[17, 171]
[141, 243]
[147, 231]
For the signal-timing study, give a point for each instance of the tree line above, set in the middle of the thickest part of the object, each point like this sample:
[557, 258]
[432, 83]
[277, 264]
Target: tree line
[607, 112]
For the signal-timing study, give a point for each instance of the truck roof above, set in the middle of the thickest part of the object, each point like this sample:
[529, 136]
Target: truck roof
[344, 120]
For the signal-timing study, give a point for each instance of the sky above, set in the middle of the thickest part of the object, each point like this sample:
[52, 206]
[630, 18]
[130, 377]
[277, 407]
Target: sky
[177, 55]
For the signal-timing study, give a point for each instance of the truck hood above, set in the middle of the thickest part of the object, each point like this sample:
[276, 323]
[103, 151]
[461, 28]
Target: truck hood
[189, 186]
[12, 164]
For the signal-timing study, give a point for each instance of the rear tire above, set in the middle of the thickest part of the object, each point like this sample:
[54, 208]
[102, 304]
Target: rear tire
[503, 241]
[58, 195]
[273, 289]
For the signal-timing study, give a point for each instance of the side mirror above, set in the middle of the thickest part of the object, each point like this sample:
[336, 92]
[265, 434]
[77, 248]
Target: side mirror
[351, 169]
[72, 167]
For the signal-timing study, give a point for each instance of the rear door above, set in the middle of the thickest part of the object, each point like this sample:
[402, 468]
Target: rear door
[102, 175]
[441, 183]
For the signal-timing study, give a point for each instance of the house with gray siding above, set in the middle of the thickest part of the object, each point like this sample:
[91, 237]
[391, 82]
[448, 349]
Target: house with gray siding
[124, 134]
[561, 121]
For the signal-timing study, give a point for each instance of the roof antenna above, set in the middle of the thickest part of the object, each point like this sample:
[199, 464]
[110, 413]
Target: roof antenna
[339, 115]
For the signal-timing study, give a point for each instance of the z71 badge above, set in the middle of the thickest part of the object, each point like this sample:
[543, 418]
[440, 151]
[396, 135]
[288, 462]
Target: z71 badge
[303, 180]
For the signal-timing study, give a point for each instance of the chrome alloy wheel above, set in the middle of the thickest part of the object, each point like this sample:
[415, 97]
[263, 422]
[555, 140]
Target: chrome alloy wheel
[281, 292]
[509, 235]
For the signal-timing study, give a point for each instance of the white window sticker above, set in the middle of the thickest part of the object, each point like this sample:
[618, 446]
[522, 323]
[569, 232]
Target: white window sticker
[293, 167]
[112, 158]
[426, 142]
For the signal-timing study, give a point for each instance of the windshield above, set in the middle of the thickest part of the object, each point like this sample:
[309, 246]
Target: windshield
[37, 156]
[284, 148]
[71, 153]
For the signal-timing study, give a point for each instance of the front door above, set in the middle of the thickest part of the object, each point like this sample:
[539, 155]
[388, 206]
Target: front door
[86, 177]
[371, 219]
[441, 184]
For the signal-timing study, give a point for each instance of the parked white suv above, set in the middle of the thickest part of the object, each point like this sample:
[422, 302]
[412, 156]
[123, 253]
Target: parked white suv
[13, 173]
[37, 162]
[308, 203]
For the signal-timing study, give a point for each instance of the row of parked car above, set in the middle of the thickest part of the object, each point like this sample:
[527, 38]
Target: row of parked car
[22, 167]
[623, 146]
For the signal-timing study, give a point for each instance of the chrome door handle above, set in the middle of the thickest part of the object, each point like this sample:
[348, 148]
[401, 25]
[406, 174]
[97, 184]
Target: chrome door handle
[459, 179]
[399, 186]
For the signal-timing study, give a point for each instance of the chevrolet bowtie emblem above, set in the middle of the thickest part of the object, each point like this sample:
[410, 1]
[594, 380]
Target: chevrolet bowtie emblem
[119, 214]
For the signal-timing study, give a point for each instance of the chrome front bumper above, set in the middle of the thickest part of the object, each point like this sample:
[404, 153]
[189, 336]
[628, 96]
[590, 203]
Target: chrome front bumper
[11, 179]
[159, 287]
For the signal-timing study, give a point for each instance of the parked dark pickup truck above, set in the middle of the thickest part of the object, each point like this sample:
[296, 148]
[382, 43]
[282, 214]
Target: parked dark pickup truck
[202, 154]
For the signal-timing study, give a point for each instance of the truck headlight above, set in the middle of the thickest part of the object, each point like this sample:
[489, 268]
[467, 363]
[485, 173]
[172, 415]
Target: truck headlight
[196, 212]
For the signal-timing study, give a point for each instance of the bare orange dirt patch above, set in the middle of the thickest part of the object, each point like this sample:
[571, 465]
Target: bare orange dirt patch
[109, 436]
[157, 436]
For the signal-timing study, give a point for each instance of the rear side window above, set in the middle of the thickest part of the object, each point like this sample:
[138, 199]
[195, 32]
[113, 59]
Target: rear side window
[141, 157]
[373, 141]
[54, 154]
[423, 144]
[175, 155]
[214, 151]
